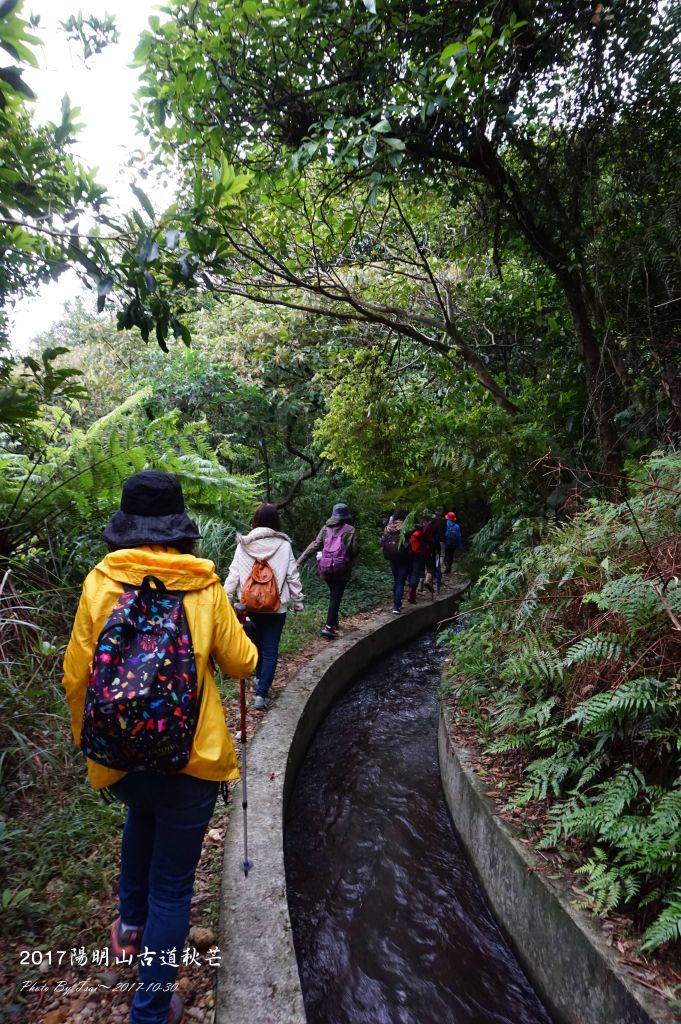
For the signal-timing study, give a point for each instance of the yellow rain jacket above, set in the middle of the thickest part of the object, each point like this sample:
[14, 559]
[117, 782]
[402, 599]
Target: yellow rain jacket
[215, 631]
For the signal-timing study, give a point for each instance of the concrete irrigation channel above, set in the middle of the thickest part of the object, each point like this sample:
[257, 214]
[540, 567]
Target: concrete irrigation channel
[259, 981]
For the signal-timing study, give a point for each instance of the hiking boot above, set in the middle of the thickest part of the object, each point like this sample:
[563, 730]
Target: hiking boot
[396, 611]
[176, 1010]
[125, 942]
[329, 633]
[260, 703]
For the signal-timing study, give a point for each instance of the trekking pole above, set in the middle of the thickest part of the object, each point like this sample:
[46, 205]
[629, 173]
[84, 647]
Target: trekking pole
[247, 864]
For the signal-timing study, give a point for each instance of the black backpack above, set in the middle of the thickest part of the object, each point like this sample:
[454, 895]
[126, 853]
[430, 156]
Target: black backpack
[394, 545]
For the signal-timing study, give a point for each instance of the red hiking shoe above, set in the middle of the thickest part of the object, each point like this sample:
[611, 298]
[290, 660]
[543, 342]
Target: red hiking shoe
[176, 1011]
[125, 942]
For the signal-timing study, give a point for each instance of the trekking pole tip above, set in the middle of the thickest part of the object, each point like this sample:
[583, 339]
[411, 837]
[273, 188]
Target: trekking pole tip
[246, 866]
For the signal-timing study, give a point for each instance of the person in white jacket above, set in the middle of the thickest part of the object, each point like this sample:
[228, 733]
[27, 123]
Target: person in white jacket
[266, 542]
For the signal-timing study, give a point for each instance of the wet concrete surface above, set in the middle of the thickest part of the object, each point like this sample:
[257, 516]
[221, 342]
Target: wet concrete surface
[389, 924]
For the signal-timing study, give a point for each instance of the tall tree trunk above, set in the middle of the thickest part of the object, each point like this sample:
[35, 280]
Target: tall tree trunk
[670, 376]
[266, 463]
[598, 383]
[544, 243]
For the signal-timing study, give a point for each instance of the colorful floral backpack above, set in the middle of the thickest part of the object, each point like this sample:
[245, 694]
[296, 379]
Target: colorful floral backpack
[142, 700]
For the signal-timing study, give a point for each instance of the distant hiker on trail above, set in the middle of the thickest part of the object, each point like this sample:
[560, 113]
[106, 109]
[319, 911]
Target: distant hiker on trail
[439, 530]
[422, 542]
[433, 568]
[147, 713]
[337, 547]
[265, 574]
[396, 549]
[453, 540]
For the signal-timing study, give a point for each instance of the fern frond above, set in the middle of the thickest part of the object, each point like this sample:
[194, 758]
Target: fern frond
[608, 710]
[630, 596]
[667, 926]
[513, 742]
[596, 647]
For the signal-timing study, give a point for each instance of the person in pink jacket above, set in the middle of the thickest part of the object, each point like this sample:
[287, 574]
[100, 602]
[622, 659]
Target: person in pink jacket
[266, 542]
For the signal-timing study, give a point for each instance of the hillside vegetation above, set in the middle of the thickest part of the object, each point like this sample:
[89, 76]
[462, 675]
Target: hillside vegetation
[570, 672]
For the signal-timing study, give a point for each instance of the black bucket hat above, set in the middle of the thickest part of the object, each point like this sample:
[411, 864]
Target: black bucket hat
[341, 511]
[152, 512]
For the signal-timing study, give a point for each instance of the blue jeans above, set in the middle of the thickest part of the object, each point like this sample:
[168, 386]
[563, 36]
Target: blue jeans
[268, 628]
[164, 828]
[400, 573]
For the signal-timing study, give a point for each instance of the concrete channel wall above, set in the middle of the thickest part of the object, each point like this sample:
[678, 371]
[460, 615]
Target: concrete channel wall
[561, 948]
[258, 979]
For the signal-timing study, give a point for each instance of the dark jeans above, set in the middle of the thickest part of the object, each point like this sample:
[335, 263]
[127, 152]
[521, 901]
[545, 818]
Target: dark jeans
[433, 566]
[336, 590]
[400, 573]
[418, 568]
[166, 820]
[268, 627]
[449, 558]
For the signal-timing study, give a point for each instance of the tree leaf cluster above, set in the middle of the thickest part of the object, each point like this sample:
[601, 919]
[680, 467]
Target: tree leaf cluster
[532, 113]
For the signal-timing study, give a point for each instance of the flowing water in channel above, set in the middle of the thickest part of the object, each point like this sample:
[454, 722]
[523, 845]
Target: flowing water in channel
[389, 923]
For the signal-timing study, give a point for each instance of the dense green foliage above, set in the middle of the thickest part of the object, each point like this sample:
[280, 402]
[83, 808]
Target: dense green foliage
[44, 194]
[232, 417]
[378, 133]
[571, 660]
[426, 254]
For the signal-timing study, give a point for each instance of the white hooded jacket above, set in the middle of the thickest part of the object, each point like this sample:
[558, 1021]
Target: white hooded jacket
[275, 549]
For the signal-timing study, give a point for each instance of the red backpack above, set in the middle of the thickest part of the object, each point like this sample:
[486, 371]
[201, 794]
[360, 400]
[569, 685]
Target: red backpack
[422, 540]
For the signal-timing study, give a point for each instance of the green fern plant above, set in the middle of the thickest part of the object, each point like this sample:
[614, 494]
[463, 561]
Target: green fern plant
[78, 473]
[596, 647]
[611, 709]
[571, 656]
[606, 887]
[630, 596]
[667, 926]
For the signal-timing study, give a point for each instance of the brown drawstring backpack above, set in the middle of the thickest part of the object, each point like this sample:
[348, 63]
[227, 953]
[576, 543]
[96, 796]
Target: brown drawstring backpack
[260, 592]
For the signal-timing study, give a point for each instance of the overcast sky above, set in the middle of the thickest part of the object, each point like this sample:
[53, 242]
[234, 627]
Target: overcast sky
[104, 92]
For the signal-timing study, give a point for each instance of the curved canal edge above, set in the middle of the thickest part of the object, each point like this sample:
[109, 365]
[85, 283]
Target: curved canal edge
[258, 975]
[561, 948]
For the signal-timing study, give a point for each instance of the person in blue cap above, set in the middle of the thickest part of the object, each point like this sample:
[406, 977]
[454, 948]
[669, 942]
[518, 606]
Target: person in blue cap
[336, 548]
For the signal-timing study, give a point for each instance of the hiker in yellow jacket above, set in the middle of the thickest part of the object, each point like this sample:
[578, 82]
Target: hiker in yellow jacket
[167, 817]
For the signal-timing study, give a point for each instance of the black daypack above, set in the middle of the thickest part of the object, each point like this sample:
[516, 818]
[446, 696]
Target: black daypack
[394, 545]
